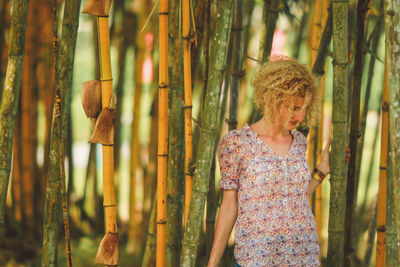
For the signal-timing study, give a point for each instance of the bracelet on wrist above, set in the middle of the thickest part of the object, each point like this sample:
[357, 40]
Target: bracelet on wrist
[318, 175]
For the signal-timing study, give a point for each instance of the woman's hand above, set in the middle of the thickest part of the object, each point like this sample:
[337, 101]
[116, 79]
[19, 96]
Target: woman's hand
[325, 165]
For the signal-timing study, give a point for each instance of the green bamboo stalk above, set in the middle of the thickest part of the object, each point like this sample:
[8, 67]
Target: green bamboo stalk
[212, 200]
[339, 140]
[361, 213]
[3, 27]
[376, 36]
[371, 237]
[149, 257]
[176, 146]
[269, 18]
[64, 61]
[392, 258]
[301, 28]
[392, 22]
[10, 99]
[206, 56]
[207, 133]
[319, 63]
[351, 193]
[237, 62]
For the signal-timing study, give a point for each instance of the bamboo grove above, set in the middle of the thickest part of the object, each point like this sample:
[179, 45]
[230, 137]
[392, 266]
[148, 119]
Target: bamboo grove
[112, 112]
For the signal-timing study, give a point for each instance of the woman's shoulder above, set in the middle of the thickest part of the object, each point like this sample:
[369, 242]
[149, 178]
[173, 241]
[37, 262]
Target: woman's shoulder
[236, 134]
[301, 137]
[235, 138]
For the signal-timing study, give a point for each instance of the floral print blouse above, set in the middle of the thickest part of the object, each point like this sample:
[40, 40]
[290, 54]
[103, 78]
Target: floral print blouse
[275, 225]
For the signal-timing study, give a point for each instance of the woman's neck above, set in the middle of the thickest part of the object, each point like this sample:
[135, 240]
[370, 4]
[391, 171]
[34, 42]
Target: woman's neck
[266, 128]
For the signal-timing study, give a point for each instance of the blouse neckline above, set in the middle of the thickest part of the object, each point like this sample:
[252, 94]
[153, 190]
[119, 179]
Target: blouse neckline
[265, 145]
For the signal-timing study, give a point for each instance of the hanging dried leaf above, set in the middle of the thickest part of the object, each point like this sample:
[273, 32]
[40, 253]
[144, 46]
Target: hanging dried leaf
[107, 253]
[98, 7]
[103, 132]
[91, 98]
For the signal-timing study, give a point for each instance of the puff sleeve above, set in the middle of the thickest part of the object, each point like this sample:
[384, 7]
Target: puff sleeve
[229, 162]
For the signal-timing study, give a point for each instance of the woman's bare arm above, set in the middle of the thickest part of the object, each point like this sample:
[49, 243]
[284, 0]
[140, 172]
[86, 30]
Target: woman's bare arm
[225, 220]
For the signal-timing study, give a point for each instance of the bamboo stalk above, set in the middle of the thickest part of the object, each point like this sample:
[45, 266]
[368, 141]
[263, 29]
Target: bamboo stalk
[207, 133]
[392, 258]
[29, 118]
[237, 62]
[9, 101]
[339, 121]
[392, 20]
[176, 140]
[376, 35]
[269, 18]
[315, 134]
[188, 103]
[354, 131]
[64, 61]
[149, 257]
[381, 206]
[162, 134]
[109, 203]
[135, 142]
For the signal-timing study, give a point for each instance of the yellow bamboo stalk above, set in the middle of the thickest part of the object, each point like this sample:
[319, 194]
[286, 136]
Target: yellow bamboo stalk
[319, 15]
[187, 72]
[135, 146]
[162, 134]
[110, 210]
[381, 212]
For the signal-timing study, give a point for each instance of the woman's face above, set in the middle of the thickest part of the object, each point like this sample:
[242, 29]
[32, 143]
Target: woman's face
[293, 112]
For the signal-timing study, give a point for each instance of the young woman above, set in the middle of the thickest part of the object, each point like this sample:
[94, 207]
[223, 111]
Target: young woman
[266, 178]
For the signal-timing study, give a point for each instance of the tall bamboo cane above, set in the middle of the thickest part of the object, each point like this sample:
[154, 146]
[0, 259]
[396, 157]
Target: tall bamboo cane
[162, 133]
[56, 190]
[354, 131]
[269, 17]
[188, 103]
[9, 101]
[110, 241]
[207, 133]
[392, 21]
[315, 133]
[381, 206]
[392, 258]
[339, 121]
[135, 141]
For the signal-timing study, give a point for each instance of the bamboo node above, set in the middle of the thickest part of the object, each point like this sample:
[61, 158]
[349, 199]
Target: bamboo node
[239, 73]
[163, 13]
[336, 63]
[163, 85]
[106, 80]
[161, 221]
[357, 134]
[187, 106]
[385, 107]
[109, 205]
[383, 167]
[381, 228]
[230, 121]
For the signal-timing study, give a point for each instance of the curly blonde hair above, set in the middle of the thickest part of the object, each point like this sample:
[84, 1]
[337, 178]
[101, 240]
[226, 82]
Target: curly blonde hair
[277, 80]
